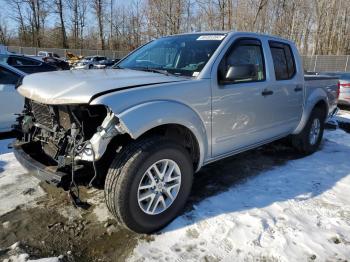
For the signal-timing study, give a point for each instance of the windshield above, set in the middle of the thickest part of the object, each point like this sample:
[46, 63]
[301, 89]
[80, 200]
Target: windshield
[179, 55]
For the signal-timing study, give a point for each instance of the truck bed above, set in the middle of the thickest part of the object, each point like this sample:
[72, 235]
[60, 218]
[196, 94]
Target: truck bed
[327, 83]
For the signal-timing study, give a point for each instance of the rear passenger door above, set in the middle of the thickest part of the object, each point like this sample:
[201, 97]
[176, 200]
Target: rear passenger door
[287, 87]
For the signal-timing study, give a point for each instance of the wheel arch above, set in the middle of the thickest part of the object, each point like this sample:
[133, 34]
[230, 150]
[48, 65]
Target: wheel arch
[319, 101]
[170, 119]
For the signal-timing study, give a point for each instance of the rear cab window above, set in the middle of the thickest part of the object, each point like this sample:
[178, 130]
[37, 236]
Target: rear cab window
[283, 60]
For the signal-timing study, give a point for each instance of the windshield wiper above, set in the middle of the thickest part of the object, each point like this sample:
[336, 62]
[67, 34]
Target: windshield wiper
[154, 70]
[117, 67]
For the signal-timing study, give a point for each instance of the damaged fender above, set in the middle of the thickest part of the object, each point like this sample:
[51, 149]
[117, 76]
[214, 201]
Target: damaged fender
[143, 117]
[97, 145]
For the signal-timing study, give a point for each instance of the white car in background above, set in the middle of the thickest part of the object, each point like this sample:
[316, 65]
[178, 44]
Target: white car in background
[11, 102]
[89, 62]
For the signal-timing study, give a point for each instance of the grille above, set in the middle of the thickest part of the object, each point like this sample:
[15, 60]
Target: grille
[42, 114]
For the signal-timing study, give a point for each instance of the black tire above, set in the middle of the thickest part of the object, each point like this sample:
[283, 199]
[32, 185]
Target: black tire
[91, 66]
[126, 172]
[302, 141]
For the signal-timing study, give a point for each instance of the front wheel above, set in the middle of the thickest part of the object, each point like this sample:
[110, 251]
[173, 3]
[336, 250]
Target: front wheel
[148, 184]
[309, 140]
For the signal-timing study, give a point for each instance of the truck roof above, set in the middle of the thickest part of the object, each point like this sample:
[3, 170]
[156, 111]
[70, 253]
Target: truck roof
[252, 34]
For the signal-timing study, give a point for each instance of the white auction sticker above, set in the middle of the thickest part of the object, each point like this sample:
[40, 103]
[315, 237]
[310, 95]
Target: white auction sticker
[211, 37]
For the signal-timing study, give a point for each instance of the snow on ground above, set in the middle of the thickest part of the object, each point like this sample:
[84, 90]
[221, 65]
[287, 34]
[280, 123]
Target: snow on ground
[20, 189]
[296, 212]
[343, 116]
[16, 185]
[3, 146]
[17, 255]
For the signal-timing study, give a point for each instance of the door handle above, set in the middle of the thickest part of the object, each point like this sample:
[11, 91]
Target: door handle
[267, 92]
[298, 88]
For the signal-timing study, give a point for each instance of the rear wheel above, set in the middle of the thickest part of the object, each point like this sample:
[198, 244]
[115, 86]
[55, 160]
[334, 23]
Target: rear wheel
[148, 184]
[308, 141]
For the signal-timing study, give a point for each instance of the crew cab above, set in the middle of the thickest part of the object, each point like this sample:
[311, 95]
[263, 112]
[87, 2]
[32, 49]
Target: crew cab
[166, 110]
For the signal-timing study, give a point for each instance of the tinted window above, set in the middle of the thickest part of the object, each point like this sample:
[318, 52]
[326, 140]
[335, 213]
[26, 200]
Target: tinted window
[7, 77]
[283, 60]
[245, 52]
[100, 58]
[21, 61]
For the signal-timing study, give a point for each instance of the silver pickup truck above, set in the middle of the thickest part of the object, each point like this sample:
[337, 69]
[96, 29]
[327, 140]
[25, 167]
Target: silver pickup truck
[167, 109]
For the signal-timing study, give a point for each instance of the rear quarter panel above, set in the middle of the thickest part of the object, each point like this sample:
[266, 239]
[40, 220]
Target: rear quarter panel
[316, 89]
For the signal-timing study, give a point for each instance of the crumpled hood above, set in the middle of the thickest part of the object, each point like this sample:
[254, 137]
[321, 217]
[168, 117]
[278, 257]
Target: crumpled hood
[80, 86]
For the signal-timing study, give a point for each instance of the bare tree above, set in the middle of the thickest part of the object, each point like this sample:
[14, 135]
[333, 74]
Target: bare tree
[316, 26]
[38, 15]
[4, 32]
[60, 9]
[98, 7]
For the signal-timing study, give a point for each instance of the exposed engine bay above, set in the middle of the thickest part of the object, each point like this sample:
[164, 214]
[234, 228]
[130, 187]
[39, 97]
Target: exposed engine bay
[63, 134]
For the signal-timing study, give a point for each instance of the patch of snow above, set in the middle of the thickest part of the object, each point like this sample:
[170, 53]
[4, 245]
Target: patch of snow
[25, 258]
[16, 254]
[296, 212]
[16, 186]
[100, 208]
[70, 212]
[343, 116]
[3, 146]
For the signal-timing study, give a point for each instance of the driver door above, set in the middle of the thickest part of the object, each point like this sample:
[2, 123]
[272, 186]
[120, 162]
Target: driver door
[241, 109]
[11, 102]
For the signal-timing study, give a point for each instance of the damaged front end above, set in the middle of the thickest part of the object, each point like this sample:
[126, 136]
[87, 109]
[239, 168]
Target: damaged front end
[57, 141]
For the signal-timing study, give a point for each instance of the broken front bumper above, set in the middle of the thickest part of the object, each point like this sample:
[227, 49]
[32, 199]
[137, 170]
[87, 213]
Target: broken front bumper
[37, 169]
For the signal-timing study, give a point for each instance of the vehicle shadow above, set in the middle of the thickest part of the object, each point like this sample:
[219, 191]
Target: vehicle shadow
[262, 177]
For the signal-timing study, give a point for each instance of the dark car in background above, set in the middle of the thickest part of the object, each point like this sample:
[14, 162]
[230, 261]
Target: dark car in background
[27, 64]
[344, 86]
[53, 59]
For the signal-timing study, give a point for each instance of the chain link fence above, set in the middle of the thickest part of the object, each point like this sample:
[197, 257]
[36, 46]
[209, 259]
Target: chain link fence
[62, 52]
[316, 63]
[328, 63]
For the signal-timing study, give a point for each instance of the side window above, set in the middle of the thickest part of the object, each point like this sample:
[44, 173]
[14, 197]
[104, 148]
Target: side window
[245, 58]
[7, 77]
[283, 60]
[21, 61]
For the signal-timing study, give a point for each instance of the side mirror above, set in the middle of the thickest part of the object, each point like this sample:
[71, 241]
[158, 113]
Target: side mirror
[241, 72]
